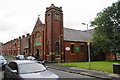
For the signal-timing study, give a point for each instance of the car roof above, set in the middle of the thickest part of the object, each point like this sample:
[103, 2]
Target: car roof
[22, 61]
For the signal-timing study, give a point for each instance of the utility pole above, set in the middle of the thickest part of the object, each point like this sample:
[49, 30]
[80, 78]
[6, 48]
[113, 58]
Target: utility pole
[88, 44]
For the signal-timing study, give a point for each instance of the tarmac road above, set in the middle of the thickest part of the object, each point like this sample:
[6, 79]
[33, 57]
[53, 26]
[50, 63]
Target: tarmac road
[71, 76]
[62, 75]
[1, 75]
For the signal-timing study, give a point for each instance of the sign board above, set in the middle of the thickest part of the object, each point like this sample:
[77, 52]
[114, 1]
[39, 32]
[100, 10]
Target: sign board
[37, 44]
[67, 48]
[77, 49]
[88, 43]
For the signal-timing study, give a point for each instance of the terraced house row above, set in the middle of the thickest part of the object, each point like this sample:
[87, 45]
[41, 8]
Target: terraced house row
[51, 41]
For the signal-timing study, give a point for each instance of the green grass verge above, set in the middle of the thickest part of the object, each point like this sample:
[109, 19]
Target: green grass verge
[105, 66]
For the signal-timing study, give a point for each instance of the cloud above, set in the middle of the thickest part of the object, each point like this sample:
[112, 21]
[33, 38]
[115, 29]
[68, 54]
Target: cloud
[18, 17]
[5, 27]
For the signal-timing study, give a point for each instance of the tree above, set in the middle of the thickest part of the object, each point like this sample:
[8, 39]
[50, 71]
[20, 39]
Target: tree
[106, 38]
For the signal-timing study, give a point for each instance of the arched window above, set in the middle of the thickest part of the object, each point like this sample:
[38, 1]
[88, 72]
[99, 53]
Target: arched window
[57, 48]
[48, 17]
[57, 16]
[37, 37]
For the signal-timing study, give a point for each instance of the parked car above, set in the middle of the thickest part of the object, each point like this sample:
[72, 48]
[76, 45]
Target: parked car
[33, 58]
[20, 57]
[30, 58]
[3, 62]
[28, 69]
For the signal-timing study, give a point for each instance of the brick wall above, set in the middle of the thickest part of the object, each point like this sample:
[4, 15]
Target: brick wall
[81, 55]
[110, 57]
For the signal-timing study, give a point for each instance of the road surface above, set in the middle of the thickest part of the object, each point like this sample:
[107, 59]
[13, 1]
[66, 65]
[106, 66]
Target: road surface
[62, 75]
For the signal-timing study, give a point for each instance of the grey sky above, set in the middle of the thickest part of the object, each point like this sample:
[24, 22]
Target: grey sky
[18, 17]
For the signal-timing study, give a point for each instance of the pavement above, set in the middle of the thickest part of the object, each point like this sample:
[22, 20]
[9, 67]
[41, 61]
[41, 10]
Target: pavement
[91, 73]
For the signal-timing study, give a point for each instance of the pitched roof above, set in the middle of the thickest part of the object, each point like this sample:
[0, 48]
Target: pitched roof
[77, 35]
[38, 23]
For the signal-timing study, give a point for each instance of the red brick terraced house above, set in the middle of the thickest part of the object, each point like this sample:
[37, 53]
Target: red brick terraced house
[51, 41]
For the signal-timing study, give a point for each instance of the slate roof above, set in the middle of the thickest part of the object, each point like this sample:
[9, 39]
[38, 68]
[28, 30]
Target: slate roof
[77, 35]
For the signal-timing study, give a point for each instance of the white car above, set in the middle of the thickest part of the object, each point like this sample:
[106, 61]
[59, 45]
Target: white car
[28, 70]
[33, 58]
[30, 58]
[20, 57]
[3, 62]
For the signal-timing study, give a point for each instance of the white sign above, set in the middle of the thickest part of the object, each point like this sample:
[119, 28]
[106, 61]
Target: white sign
[67, 48]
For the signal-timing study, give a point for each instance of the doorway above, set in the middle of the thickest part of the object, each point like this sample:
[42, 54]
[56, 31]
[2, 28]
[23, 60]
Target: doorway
[37, 54]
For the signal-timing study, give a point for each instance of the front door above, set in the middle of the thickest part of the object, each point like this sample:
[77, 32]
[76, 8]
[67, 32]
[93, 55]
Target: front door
[37, 54]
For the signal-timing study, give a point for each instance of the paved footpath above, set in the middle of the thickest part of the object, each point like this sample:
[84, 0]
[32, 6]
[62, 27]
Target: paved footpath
[91, 73]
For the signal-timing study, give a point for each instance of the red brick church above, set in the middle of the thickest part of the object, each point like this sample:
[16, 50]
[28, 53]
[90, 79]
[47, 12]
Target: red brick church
[51, 41]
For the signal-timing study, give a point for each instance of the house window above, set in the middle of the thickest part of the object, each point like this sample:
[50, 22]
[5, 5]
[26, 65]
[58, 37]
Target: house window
[82, 46]
[72, 48]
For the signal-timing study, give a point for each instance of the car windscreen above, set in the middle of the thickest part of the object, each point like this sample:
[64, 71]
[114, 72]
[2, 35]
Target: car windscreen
[31, 68]
[21, 57]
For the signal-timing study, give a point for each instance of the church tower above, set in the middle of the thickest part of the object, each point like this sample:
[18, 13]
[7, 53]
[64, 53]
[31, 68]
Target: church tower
[54, 33]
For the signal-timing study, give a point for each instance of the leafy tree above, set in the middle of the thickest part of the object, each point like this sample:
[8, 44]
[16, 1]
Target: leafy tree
[106, 38]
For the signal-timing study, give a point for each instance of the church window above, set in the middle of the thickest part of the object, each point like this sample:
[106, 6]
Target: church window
[57, 16]
[37, 38]
[48, 17]
[72, 48]
[57, 48]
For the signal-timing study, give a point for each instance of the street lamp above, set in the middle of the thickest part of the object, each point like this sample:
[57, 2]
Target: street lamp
[88, 43]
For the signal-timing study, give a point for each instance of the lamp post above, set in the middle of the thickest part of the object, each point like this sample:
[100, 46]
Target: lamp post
[88, 44]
